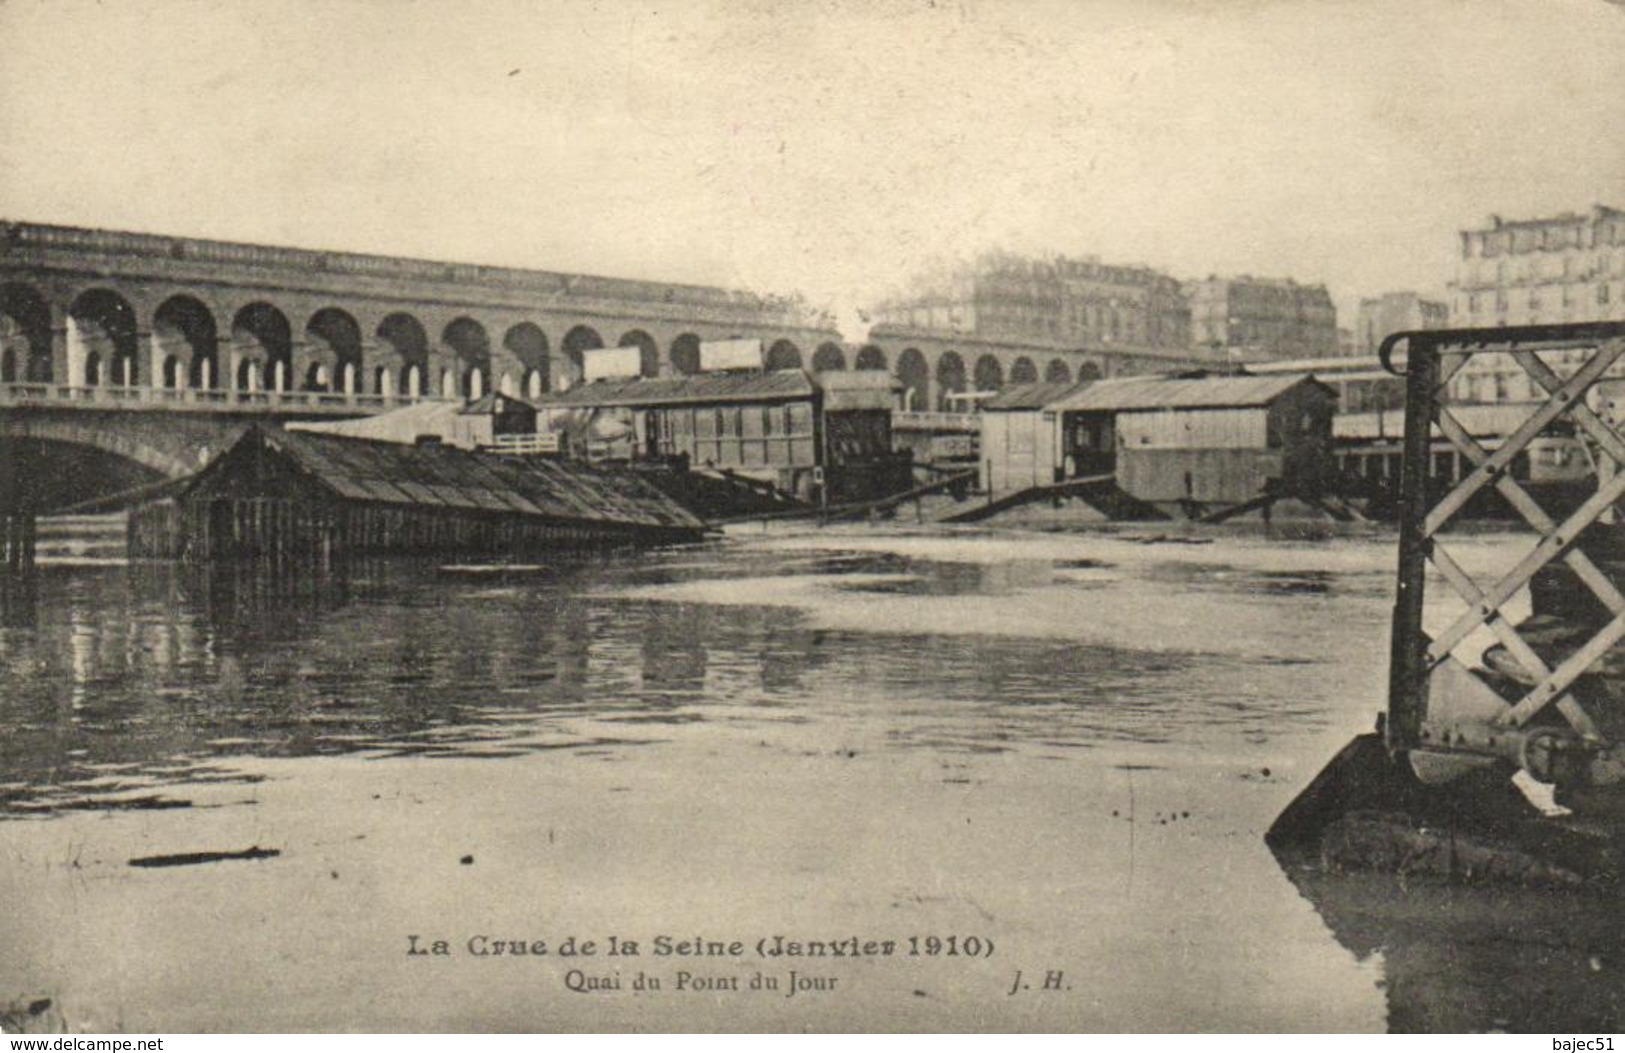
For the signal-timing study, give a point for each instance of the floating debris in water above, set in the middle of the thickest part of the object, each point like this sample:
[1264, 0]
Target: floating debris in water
[186, 859]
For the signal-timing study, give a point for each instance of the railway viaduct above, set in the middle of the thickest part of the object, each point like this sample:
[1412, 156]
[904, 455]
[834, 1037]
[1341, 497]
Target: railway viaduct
[154, 350]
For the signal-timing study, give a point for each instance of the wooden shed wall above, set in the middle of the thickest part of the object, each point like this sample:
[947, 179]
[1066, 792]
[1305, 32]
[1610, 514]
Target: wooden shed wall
[1209, 476]
[302, 527]
[1301, 426]
[1206, 429]
[1018, 450]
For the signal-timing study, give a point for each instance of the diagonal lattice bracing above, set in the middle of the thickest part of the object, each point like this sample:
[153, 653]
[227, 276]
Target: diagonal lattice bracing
[1557, 403]
[1548, 548]
[1557, 539]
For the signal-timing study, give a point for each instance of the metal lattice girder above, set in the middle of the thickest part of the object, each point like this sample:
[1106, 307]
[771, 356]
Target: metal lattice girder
[1549, 547]
[1587, 571]
[1600, 431]
[1557, 403]
[1435, 357]
[1526, 506]
[1485, 605]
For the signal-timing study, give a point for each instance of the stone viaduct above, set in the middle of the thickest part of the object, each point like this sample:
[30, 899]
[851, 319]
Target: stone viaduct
[95, 321]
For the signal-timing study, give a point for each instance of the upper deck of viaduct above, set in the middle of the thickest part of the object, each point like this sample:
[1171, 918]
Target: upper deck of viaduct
[83, 308]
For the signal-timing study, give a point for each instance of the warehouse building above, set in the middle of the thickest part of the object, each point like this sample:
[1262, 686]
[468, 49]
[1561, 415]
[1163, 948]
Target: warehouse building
[809, 435]
[1196, 442]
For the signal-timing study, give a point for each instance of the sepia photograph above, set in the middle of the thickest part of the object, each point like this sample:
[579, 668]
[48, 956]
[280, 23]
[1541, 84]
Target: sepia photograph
[780, 516]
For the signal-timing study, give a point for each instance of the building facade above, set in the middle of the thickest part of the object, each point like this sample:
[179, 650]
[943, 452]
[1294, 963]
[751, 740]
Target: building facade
[1259, 319]
[1564, 268]
[1078, 301]
[1396, 312]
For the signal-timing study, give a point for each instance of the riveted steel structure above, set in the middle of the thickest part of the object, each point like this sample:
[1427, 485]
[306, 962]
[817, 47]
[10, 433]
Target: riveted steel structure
[1540, 699]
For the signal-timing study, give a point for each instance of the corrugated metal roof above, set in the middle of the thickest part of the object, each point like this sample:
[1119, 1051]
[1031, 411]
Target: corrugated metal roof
[448, 477]
[666, 391]
[1208, 392]
[1036, 395]
[487, 403]
[859, 389]
[402, 424]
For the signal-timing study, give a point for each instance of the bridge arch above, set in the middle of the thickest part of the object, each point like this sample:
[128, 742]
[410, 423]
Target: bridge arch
[334, 339]
[914, 373]
[950, 377]
[1089, 371]
[648, 351]
[829, 358]
[1058, 372]
[25, 334]
[989, 375]
[577, 342]
[185, 336]
[408, 342]
[685, 354]
[527, 345]
[471, 348]
[784, 354]
[262, 341]
[870, 356]
[1022, 371]
[102, 330]
[141, 446]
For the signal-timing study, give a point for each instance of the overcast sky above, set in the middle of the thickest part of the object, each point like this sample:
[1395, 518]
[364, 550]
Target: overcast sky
[830, 147]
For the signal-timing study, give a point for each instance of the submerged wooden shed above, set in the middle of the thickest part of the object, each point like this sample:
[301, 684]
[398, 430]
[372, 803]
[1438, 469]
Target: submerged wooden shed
[279, 494]
[1207, 439]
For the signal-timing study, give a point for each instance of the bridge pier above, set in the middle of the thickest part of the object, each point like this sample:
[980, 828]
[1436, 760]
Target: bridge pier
[18, 517]
[19, 532]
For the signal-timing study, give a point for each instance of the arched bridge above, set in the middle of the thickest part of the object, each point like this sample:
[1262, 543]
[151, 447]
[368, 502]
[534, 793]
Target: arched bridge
[153, 350]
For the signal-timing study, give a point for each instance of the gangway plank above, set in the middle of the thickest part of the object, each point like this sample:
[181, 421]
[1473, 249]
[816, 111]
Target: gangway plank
[1085, 487]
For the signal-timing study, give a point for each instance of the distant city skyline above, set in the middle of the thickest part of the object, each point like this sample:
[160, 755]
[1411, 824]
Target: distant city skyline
[833, 150]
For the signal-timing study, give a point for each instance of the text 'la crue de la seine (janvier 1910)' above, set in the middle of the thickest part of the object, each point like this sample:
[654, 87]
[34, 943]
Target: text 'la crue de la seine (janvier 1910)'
[665, 946]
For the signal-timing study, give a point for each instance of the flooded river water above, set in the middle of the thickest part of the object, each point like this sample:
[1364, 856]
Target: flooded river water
[1066, 747]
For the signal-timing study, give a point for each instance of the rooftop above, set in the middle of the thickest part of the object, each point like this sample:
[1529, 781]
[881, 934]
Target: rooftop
[1032, 396]
[447, 477]
[699, 388]
[1198, 392]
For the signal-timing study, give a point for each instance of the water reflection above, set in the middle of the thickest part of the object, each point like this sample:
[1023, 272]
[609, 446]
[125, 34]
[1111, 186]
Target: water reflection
[1459, 959]
[131, 681]
[19, 600]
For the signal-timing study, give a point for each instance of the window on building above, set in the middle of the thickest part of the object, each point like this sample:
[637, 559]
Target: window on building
[1602, 293]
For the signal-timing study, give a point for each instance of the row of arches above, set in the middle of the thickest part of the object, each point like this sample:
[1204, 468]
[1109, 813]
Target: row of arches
[260, 349]
[952, 376]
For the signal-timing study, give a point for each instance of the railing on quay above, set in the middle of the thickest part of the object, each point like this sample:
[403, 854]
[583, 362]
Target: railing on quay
[110, 396]
[935, 421]
[539, 443]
